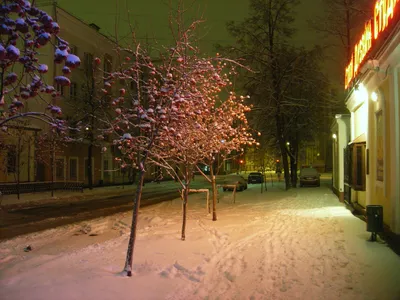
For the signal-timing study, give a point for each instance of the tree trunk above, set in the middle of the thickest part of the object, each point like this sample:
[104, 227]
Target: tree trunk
[184, 211]
[89, 166]
[18, 167]
[295, 147]
[29, 159]
[214, 193]
[282, 146]
[185, 200]
[293, 172]
[278, 116]
[285, 165]
[53, 167]
[132, 237]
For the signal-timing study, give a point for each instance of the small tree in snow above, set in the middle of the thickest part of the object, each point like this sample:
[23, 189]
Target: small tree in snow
[164, 115]
[49, 144]
[18, 154]
[208, 124]
[226, 133]
[24, 30]
[142, 110]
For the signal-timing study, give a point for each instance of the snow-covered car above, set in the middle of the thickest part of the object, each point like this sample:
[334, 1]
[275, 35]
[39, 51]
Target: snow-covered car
[309, 176]
[234, 180]
[255, 177]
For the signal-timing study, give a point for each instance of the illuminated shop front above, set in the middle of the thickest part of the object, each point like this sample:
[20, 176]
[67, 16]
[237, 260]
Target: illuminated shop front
[372, 80]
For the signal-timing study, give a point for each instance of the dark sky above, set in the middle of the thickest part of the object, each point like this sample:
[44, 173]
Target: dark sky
[150, 17]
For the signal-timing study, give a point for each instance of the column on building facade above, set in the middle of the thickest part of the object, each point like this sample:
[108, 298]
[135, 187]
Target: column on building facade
[343, 140]
[394, 111]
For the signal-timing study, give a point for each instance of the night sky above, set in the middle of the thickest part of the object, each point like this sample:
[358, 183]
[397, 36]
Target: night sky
[150, 19]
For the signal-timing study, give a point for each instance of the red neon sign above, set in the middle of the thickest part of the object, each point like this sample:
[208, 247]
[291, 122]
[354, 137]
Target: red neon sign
[383, 12]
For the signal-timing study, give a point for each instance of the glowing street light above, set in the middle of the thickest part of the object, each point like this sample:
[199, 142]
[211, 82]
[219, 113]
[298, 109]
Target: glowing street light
[374, 96]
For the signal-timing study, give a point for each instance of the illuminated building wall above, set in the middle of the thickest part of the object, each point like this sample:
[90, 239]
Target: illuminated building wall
[372, 82]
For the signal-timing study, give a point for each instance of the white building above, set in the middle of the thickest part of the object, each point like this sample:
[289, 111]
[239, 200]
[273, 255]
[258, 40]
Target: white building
[372, 80]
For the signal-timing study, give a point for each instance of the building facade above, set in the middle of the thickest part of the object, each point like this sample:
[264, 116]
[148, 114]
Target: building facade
[41, 156]
[372, 83]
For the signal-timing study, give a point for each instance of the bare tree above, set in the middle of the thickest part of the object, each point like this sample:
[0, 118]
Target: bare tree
[50, 143]
[18, 152]
[261, 39]
[342, 23]
[279, 85]
[89, 107]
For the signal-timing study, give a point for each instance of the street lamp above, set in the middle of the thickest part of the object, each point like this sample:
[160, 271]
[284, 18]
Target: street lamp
[374, 96]
[240, 165]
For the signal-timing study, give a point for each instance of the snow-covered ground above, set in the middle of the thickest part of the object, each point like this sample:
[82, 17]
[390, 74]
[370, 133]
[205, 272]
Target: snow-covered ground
[301, 244]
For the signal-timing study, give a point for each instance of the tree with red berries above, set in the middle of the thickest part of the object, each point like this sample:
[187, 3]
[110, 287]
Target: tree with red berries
[140, 111]
[227, 133]
[213, 127]
[163, 113]
[24, 31]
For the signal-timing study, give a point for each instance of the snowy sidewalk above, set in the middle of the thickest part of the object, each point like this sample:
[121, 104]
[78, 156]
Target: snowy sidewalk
[301, 244]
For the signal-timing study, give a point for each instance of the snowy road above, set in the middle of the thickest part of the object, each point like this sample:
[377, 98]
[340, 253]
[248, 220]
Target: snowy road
[301, 244]
[23, 220]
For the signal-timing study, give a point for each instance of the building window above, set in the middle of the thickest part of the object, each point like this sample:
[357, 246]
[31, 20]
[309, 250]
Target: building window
[107, 64]
[73, 90]
[86, 168]
[358, 167]
[73, 168]
[379, 146]
[60, 89]
[348, 163]
[106, 169]
[88, 64]
[60, 165]
[73, 49]
[12, 159]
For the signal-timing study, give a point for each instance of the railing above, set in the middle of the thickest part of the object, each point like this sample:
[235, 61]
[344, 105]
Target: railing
[43, 186]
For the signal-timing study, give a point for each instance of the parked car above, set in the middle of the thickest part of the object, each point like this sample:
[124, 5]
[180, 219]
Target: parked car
[309, 176]
[255, 177]
[232, 180]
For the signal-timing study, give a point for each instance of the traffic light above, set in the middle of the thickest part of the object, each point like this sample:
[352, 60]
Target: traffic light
[278, 167]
